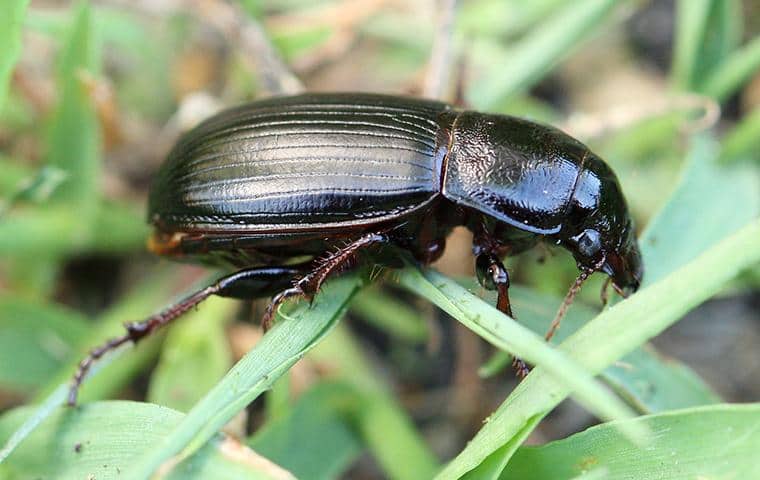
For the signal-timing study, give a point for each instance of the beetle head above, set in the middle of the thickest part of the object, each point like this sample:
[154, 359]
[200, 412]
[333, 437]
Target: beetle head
[599, 231]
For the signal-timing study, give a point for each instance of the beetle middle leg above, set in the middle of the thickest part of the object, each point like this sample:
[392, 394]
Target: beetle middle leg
[308, 285]
[247, 284]
[493, 276]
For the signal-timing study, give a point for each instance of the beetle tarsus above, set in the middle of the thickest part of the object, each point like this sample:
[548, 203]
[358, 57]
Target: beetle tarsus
[136, 331]
[504, 305]
[520, 367]
[258, 282]
[85, 365]
[268, 319]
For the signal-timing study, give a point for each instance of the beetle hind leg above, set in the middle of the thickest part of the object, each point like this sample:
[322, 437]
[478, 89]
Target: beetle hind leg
[247, 284]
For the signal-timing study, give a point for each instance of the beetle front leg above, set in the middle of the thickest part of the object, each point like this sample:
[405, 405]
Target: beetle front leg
[493, 276]
[248, 284]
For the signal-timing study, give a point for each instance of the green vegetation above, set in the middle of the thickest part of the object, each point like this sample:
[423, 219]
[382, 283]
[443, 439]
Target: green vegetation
[117, 78]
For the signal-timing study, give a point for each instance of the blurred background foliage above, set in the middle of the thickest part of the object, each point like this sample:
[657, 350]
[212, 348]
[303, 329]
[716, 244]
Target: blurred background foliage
[93, 95]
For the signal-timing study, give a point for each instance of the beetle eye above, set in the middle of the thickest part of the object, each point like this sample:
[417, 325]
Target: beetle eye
[589, 243]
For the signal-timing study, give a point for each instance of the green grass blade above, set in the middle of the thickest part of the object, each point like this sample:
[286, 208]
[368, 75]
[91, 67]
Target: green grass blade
[642, 378]
[707, 32]
[505, 333]
[115, 373]
[38, 415]
[277, 351]
[718, 441]
[47, 231]
[721, 36]
[35, 338]
[278, 401]
[743, 141]
[119, 228]
[734, 72]
[194, 356]
[387, 313]
[384, 426]
[74, 141]
[692, 19]
[500, 18]
[673, 237]
[609, 336]
[137, 304]
[37, 188]
[47, 407]
[54, 230]
[73, 443]
[11, 22]
[12, 173]
[498, 361]
[325, 444]
[730, 18]
[539, 51]
[652, 383]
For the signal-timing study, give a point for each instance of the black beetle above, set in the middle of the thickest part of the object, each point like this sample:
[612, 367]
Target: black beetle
[326, 177]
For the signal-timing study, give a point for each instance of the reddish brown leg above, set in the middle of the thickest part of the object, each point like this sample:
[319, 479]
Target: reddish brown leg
[249, 283]
[604, 293]
[330, 264]
[493, 276]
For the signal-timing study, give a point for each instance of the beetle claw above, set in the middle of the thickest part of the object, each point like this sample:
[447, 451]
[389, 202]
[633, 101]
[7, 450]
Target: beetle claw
[521, 368]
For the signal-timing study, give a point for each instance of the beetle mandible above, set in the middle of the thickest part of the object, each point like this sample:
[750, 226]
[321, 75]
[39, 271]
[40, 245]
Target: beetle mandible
[331, 177]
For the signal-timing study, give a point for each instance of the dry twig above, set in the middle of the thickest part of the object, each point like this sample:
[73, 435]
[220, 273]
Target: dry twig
[439, 65]
[242, 30]
[603, 123]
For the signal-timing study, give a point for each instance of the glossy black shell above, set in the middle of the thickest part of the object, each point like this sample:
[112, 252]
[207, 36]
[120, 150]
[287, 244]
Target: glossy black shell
[303, 163]
[514, 170]
[293, 176]
[317, 161]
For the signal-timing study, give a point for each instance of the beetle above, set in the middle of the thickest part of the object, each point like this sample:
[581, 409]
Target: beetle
[291, 190]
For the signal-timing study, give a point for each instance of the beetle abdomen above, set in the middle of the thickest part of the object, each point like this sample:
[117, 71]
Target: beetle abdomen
[303, 162]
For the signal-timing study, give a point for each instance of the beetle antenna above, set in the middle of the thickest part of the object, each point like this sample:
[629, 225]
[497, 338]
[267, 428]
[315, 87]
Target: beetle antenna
[574, 289]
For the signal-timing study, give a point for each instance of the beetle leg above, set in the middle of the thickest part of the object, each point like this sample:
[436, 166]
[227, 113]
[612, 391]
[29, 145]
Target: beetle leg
[493, 276]
[259, 282]
[330, 264]
[249, 283]
[277, 300]
[604, 293]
